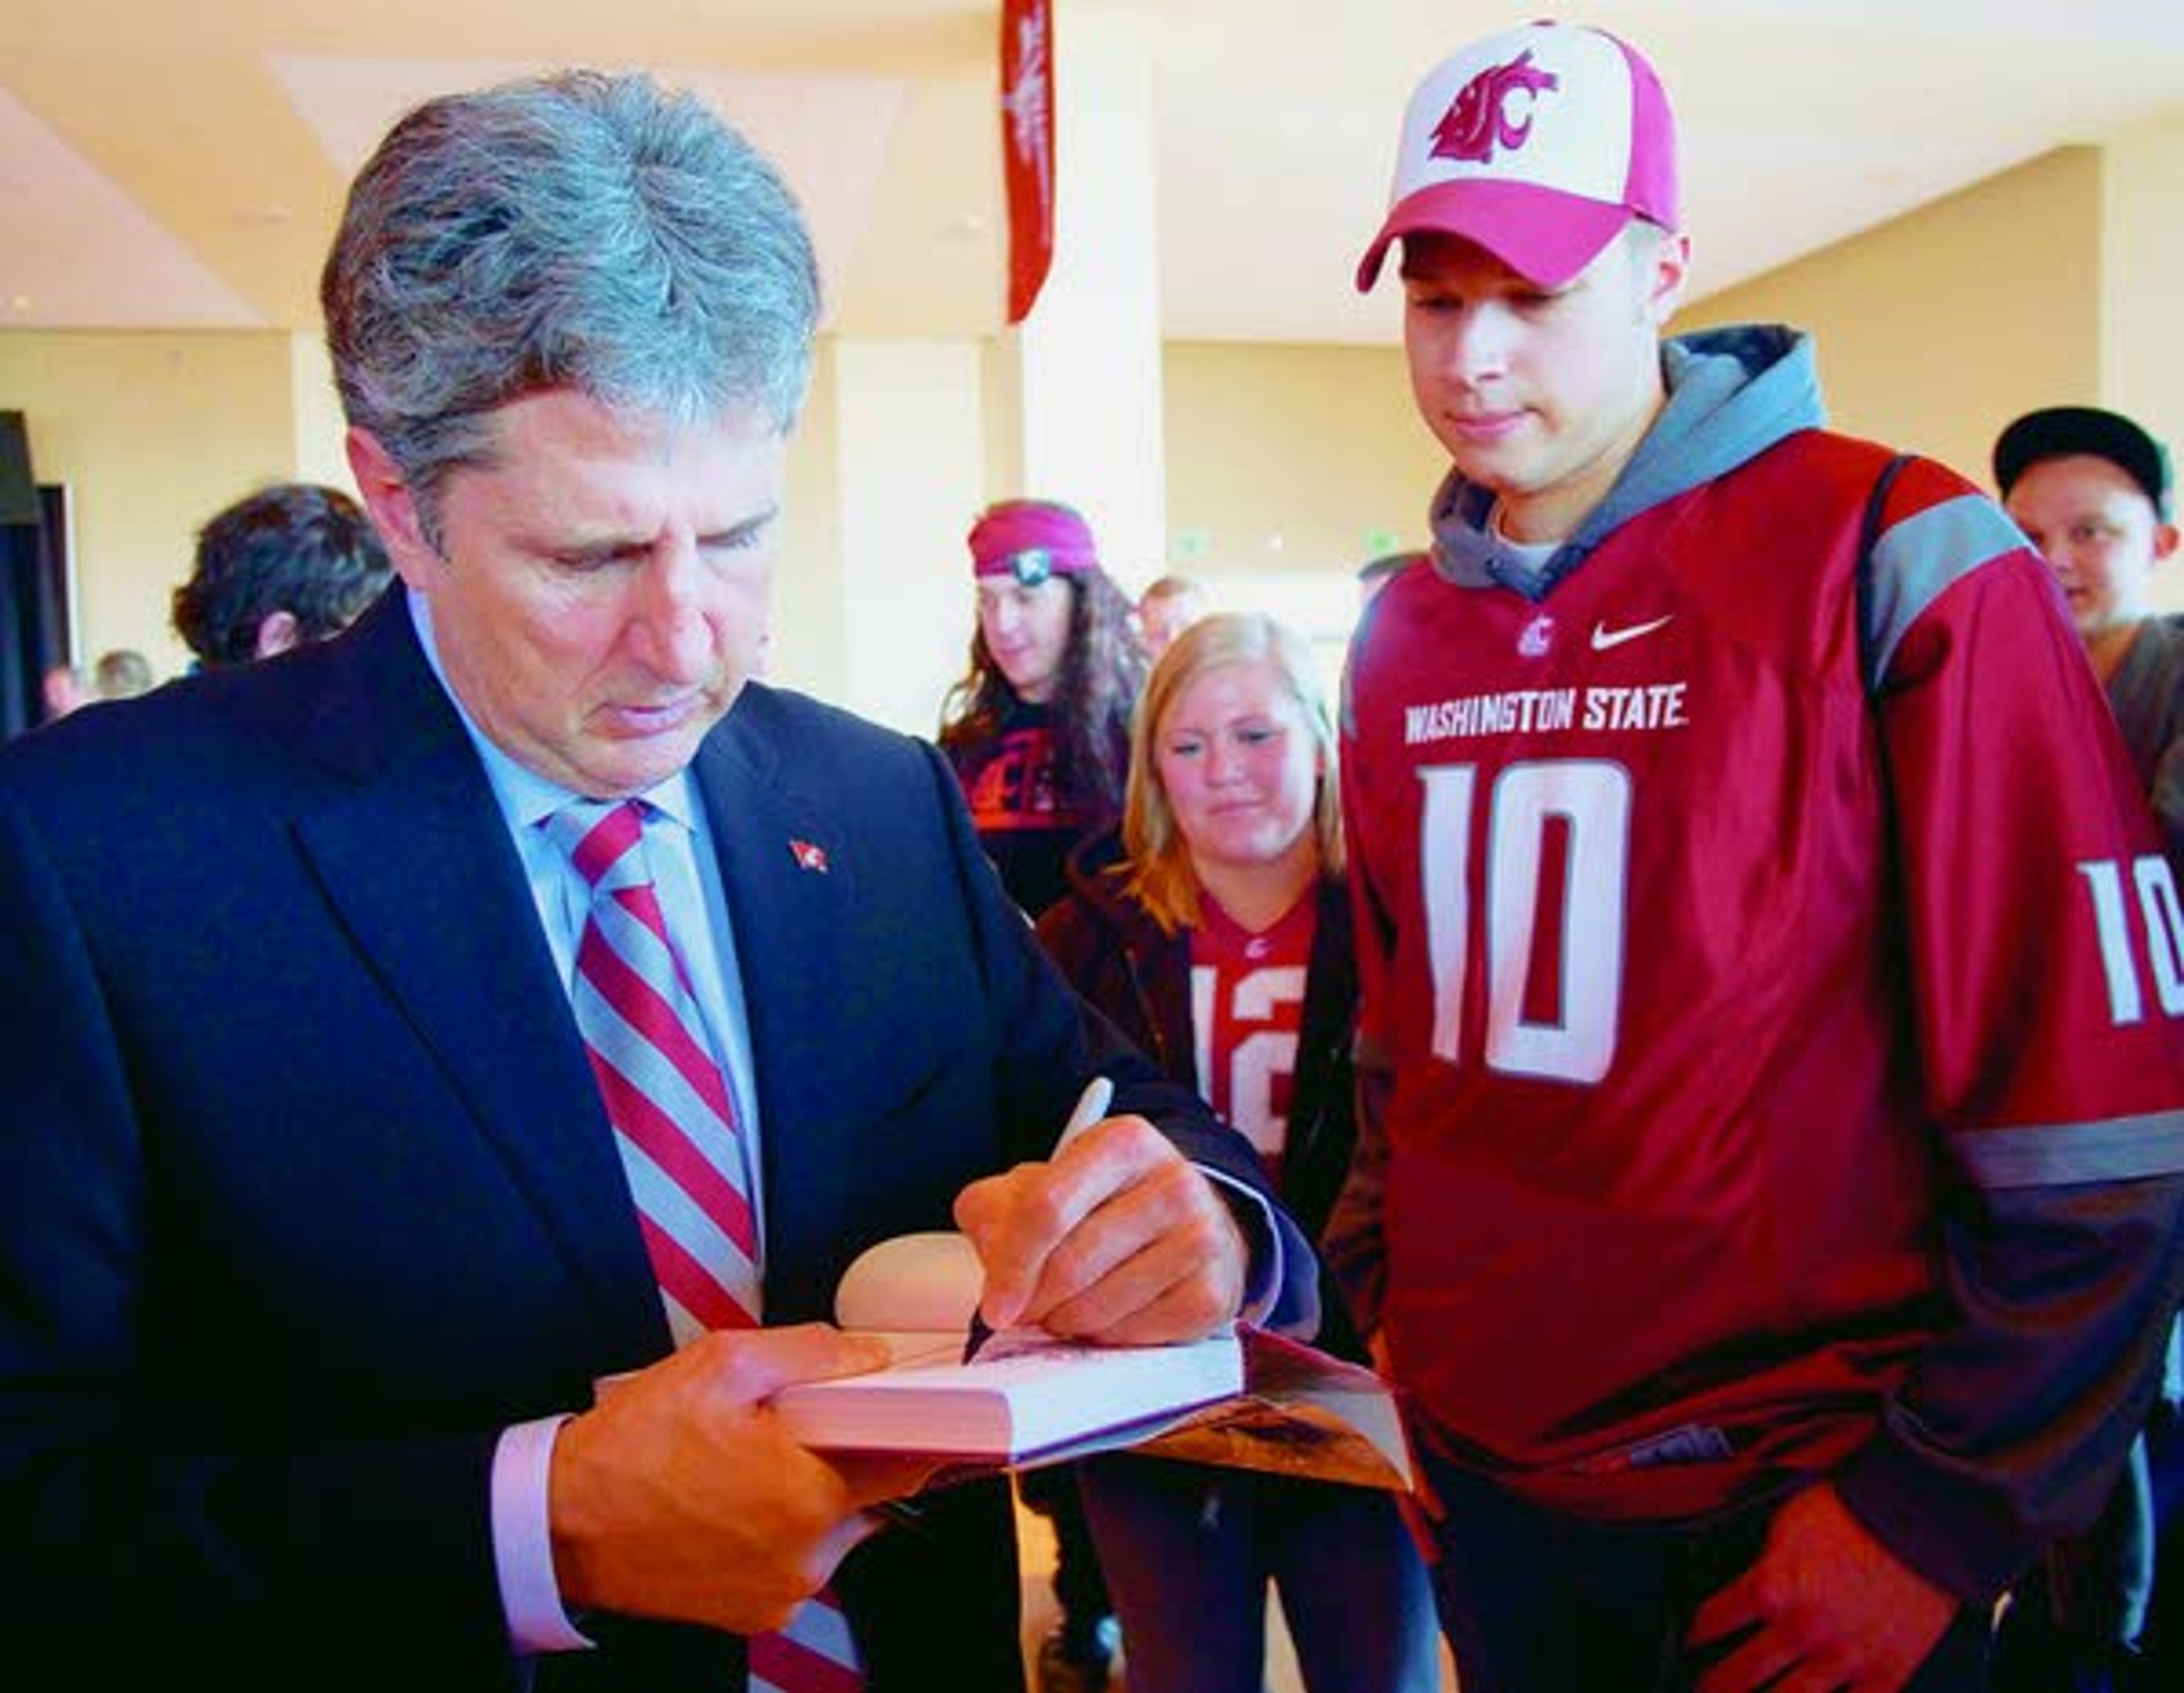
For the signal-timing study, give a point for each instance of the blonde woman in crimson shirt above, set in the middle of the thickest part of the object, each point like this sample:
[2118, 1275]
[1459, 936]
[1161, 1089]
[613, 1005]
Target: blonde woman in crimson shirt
[1215, 931]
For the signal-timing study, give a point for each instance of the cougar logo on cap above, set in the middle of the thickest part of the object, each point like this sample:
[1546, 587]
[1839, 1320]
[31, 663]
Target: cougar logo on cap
[1540, 144]
[1480, 119]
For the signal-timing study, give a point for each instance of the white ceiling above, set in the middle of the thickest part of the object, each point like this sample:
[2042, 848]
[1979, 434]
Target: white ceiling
[166, 166]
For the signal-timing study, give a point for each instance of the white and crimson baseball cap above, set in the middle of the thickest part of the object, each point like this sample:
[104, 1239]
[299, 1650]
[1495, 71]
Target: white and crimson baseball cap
[1541, 144]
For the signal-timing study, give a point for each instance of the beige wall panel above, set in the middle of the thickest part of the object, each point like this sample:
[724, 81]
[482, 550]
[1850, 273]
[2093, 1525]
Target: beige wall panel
[152, 434]
[1935, 330]
[2142, 351]
[1292, 459]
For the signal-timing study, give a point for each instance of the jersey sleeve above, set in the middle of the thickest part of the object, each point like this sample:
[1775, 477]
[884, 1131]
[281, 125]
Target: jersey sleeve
[2046, 952]
[1353, 1244]
[2167, 799]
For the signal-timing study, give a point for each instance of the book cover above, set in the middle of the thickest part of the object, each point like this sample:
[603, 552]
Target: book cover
[1024, 1396]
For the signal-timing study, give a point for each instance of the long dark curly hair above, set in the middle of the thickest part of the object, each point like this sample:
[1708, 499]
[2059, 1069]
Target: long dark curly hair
[1103, 669]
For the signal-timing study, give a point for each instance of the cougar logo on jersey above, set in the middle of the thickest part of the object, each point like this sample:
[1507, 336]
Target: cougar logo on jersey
[1481, 118]
[1017, 788]
[1536, 637]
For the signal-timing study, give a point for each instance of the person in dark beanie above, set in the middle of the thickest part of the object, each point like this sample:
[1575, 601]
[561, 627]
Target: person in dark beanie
[2104, 1611]
[2095, 494]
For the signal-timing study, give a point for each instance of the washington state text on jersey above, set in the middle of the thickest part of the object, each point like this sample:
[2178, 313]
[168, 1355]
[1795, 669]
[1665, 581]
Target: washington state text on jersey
[1532, 711]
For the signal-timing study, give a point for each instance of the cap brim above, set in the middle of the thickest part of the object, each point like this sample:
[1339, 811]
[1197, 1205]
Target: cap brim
[1544, 236]
[2060, 432]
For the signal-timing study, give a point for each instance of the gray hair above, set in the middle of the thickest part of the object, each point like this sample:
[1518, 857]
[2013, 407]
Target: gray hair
[578, 230]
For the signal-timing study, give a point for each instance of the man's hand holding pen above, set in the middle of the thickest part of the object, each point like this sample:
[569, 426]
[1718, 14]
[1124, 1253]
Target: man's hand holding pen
[1118, 1237]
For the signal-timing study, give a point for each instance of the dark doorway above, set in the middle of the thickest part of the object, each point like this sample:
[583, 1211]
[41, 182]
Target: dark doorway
[34, 609]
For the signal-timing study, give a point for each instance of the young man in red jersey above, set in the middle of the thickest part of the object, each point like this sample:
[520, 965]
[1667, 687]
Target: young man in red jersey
[1772, 980]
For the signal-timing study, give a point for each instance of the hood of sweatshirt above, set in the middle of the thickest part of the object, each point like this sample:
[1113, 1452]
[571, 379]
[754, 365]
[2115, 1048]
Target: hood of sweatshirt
[1732, 393]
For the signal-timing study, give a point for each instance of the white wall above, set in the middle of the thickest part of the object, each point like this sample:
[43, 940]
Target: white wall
[908, 438]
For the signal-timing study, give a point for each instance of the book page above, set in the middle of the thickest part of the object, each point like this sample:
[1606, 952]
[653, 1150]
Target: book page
[1033, 1399]
[1025, 1394]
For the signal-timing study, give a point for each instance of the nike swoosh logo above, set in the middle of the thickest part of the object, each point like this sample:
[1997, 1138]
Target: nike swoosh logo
[1604, 637]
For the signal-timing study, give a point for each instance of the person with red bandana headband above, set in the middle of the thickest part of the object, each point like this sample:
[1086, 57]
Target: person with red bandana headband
[1771, 1038]
[1039, 727]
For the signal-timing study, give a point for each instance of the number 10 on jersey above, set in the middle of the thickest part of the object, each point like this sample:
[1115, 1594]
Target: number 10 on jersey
[1590, 800]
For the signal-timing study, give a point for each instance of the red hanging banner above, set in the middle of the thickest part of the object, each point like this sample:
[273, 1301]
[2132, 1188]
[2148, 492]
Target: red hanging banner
[1027, 147]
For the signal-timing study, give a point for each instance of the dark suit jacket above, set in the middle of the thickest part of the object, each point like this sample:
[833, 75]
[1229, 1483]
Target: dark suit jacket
[305, 1190]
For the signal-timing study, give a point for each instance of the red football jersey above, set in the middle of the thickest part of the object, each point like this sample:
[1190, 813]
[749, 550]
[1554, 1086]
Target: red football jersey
[1698, 964]
[1246, 1011]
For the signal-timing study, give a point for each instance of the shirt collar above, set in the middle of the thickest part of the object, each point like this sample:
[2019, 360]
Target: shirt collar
[527, 798]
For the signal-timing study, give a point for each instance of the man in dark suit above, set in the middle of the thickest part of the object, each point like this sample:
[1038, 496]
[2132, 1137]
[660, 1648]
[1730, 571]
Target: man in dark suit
[314, 1239]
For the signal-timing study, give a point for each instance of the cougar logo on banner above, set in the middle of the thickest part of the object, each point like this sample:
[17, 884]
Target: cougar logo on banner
[1028, 147]
[1479, 120]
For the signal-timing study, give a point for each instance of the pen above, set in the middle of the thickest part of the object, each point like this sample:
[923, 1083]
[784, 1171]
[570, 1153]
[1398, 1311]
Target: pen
[1091, 1107]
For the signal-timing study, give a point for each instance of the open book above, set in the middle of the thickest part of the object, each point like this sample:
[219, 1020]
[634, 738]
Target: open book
[1242, 1398]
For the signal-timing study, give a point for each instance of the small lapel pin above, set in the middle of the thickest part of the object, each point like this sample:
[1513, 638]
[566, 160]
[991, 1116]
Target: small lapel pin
[808, 856]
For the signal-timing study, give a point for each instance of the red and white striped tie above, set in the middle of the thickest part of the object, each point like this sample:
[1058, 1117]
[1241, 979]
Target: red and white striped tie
[675, 1125]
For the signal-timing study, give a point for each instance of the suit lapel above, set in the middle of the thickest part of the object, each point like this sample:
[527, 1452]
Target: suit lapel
[415, 859]
[791, 883]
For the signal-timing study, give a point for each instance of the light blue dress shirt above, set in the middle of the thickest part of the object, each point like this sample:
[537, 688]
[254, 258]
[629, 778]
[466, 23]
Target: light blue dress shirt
[678, 852]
